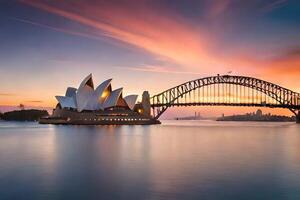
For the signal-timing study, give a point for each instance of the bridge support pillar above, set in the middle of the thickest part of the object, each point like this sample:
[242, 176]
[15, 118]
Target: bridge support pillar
[146, 103]
[298, 117]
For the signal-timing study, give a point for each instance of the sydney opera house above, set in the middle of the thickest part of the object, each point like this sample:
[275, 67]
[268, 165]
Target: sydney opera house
[87, 105]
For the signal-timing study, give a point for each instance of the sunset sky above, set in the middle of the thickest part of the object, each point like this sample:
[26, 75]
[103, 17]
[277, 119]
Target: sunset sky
[46, 46]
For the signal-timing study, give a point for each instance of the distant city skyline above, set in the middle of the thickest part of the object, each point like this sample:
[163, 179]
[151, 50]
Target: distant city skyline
[46, 46]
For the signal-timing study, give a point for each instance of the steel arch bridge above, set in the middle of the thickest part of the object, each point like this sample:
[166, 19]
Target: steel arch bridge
[227, 90]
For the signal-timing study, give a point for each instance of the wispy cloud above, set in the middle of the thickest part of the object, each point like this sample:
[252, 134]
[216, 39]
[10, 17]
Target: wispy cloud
[7, 94]
[274, 5]
[217, 8]
[286, 64]
[169, 36]
[293, 52]
[157, 33]
[64, 30]
[34, 101]
[157, 69]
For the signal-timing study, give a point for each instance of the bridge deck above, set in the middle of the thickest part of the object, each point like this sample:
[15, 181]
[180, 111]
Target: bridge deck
[226, 104]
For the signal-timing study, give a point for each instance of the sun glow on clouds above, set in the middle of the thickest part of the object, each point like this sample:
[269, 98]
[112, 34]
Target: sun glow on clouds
[151, 30]
[165, 34]
[157, 69]
[184, 47]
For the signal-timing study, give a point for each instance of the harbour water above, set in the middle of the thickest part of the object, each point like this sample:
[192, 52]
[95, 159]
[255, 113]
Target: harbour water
[174, 160]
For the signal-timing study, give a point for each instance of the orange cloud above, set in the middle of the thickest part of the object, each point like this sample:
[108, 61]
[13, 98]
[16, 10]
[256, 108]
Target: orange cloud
[157, 69]
[171, 38]
[7, 94]
[163, 36]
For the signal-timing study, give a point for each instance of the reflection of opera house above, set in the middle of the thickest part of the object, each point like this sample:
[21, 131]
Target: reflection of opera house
[101, 105]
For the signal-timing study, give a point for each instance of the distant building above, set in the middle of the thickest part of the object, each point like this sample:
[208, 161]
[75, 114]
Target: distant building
[259, 113]
[22, 107]
[256, 116]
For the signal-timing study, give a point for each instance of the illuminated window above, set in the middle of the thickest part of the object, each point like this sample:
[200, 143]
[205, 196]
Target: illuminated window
[105, 94]
[140, 110]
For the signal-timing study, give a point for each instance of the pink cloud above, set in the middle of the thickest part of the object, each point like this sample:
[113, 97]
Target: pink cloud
[169, 37]
[157, 69]
[163, 36]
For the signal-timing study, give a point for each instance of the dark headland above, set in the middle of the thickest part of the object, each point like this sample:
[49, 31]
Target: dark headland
[258, 116]
[24, 115]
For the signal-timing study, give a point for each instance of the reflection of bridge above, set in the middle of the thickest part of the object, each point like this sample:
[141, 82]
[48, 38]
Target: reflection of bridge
[227, 90]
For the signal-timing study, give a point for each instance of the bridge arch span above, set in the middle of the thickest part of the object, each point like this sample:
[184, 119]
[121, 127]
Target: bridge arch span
[269, 94]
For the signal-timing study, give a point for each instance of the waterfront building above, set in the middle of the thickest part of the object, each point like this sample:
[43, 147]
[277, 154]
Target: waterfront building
[101, 105]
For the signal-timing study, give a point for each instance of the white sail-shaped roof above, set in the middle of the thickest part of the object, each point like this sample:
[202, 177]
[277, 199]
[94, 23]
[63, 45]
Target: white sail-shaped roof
[100, 94]
[113, 98]
[66, 102]
[85, 93]
[106, 85]
[71, 92]
[131, 100]
[87, 81]
[86, 98]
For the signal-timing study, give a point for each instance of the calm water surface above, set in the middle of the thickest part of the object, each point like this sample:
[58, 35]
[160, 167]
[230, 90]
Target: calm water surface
[175, 160]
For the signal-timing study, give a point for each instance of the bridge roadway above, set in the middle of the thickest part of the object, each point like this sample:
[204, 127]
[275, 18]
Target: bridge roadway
[226, 104]
[227, 90]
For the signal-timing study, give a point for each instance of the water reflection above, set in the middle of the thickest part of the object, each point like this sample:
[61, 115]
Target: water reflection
[190, 160]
